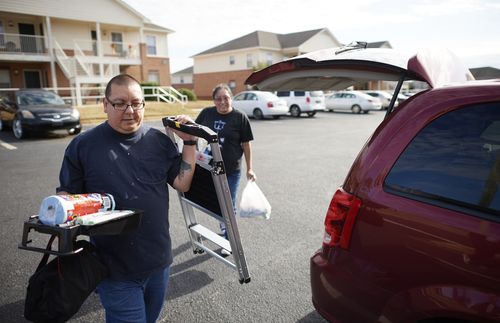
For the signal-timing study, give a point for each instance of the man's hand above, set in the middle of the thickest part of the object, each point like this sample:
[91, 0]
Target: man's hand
[183, 119]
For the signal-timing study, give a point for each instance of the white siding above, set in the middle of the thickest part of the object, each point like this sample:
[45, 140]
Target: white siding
[219, 62]
[188, 78]
[319, 41]
[104, 11]
[161, 43]
[66, 32]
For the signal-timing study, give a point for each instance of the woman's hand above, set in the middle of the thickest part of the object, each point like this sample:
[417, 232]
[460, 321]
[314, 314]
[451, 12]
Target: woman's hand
[251, 175]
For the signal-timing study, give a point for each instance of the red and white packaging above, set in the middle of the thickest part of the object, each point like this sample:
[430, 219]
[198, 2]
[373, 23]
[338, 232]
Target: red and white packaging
[58, 209]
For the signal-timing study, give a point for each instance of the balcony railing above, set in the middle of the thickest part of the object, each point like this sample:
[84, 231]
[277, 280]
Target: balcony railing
[109, 48]
[29, 44]
[22, 44]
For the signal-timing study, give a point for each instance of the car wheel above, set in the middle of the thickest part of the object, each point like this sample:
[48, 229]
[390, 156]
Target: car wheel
[356, 109]
[17, 129]
[311, 114]
[74, 131]
[295, 111]
[257, 114]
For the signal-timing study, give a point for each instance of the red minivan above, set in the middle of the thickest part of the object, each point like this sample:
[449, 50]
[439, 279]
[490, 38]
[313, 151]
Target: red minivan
[413, 234]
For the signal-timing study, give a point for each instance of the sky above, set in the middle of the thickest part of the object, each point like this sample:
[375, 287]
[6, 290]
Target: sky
[469, 28]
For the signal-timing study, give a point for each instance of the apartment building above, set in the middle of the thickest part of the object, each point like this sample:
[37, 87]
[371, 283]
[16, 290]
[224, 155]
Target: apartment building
[78, 44]
[233, 61]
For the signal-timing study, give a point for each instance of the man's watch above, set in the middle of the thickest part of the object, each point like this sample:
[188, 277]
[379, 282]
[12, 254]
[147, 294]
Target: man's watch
[190, 142]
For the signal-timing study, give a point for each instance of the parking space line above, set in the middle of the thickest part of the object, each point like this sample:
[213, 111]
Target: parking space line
[7, 146]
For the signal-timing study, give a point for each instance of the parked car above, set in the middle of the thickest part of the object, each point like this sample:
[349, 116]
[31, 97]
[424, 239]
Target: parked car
[260, 104]
[354, 101]
[401, 98]
[35, 111]
[308, 102]
[413, 234]
[384, 97]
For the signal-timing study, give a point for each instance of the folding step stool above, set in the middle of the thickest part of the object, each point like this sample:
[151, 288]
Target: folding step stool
[209, 193]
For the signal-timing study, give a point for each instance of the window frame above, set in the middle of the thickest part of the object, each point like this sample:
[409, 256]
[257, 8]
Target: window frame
[151, 49]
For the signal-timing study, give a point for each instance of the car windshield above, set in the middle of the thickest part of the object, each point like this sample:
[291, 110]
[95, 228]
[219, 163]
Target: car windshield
[39, 98]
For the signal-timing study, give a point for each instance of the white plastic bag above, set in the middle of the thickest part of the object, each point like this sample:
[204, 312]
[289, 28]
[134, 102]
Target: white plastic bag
[253, 203]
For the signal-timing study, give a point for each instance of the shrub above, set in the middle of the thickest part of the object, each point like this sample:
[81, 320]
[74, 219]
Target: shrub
[189, 93]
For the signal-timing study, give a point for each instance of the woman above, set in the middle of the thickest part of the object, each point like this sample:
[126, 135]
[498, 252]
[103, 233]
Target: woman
[235, 134]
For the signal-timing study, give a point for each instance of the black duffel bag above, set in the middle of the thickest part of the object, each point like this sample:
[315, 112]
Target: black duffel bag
[57, 290]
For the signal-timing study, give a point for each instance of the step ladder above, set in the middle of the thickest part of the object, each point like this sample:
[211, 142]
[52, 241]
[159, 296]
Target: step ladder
[209, 193]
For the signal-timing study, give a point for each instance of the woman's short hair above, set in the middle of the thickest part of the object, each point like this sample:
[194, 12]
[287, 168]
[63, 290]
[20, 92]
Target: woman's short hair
[221, 86]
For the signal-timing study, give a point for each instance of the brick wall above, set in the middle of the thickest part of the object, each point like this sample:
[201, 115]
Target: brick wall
[189, 86]
[17, 75]
[205, 82]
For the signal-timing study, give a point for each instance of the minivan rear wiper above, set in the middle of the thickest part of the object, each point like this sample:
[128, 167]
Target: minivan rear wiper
[352, 46]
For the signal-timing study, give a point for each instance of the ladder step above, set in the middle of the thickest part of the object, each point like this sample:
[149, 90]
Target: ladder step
[212, 236]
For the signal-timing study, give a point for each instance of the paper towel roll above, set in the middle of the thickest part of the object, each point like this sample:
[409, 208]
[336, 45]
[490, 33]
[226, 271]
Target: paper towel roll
[58, 209]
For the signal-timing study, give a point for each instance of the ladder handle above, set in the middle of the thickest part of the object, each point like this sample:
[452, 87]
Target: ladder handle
[192, 129]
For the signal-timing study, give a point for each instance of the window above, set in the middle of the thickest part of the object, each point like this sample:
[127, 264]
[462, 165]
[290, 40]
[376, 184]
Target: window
[4, 78]
[251, 97]
[232, 85]
[231, 60]
[454, 161]
[249, 60]
[154, 76]
[283, 93]
[239, 97]
[269, 59]
[182, 79]
[300, 93]
[117, 43]
[151, 45]
[2, 36]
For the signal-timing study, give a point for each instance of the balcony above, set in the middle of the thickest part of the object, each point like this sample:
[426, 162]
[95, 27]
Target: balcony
[17, 47]
[112, 52]
[23, 47]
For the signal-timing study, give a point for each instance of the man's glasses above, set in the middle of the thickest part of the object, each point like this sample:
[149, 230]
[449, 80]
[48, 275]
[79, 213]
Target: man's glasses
[122, 106]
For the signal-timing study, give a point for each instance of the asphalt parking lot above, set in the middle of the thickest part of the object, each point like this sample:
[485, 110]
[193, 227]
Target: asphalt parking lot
[299, 164]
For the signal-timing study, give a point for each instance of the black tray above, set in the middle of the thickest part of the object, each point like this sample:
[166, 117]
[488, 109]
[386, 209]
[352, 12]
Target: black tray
[66, 235]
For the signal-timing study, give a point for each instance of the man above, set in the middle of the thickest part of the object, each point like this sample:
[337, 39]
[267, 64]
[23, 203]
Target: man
[133, 163]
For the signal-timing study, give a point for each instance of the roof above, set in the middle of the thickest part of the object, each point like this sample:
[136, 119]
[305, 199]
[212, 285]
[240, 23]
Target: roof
[188, 70]
[155, 27]
[379, 44]
[485, 73]
[296, 39]
[264, 39]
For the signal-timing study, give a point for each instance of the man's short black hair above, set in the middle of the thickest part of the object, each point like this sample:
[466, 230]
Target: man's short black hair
[120, 79]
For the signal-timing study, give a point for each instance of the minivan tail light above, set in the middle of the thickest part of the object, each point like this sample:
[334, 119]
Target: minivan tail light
[270, 104]
[340, 218]
[308, 99]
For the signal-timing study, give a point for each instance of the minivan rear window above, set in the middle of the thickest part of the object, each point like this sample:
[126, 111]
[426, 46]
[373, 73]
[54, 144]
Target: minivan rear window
[454, 161]
[283, 93]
